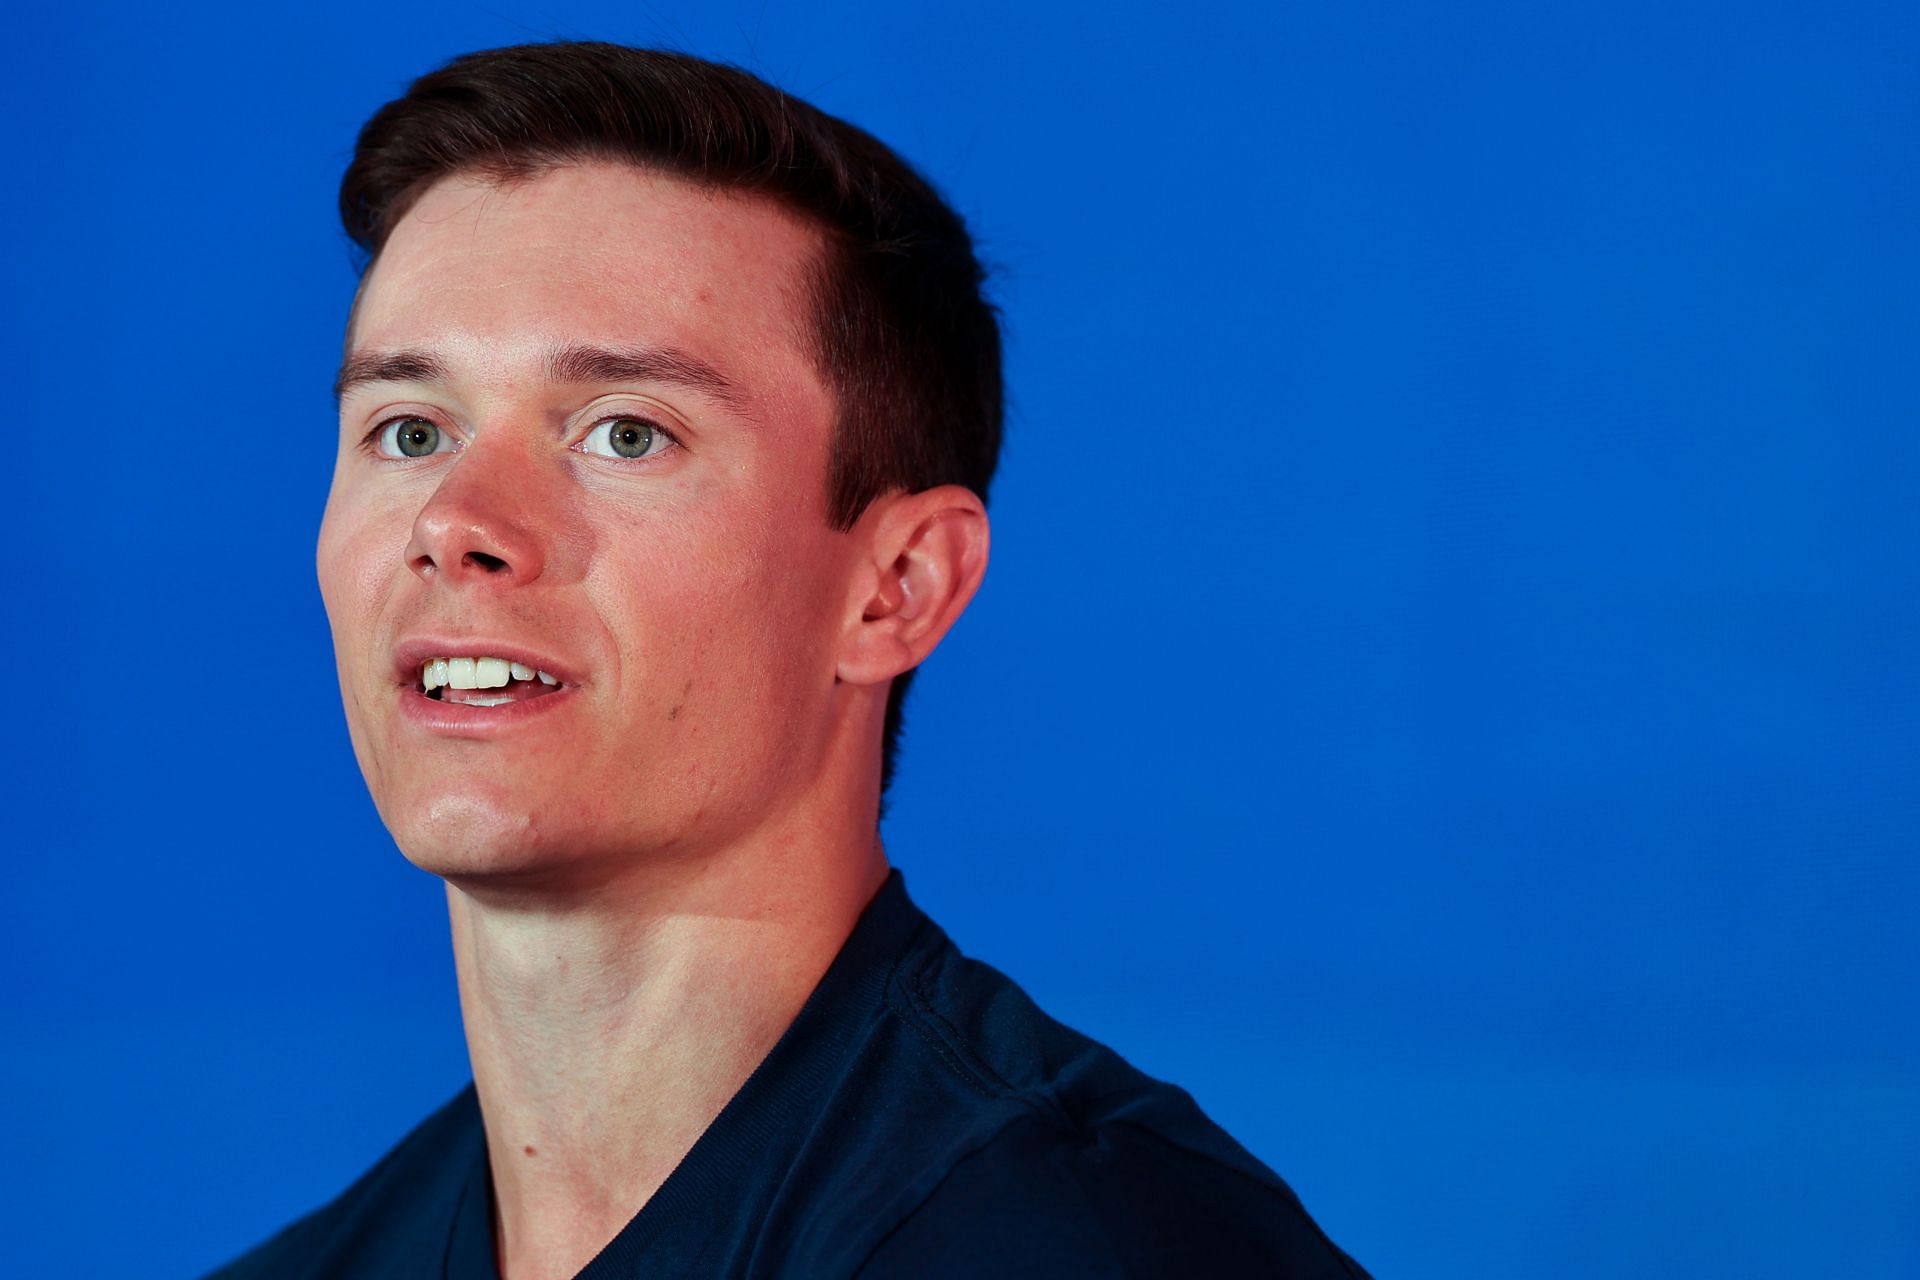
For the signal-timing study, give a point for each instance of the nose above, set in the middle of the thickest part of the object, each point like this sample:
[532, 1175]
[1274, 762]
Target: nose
[482, 526]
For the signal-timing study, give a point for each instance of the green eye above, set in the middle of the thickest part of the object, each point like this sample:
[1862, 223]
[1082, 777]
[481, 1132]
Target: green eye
[626, 438]
[630, 439]
[410, 438]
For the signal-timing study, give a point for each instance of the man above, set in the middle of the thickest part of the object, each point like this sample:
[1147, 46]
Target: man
[668, 411]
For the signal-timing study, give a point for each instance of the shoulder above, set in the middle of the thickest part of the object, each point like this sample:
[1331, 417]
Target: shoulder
[1075, 1163]
[371, 1227]
[1117, 1201]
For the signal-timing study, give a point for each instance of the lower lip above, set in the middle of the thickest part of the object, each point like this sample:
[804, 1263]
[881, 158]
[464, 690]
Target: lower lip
[462, 720]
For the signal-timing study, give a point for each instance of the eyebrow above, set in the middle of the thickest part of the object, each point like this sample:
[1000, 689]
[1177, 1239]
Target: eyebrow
[386, 366]
[575, 363]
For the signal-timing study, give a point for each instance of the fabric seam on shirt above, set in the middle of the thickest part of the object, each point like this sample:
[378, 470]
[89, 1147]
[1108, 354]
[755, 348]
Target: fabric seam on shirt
[959, 1042]
[953, 1048]
[908, 1013]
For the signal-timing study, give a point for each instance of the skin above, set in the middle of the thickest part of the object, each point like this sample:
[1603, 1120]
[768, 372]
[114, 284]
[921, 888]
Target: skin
[646, 883]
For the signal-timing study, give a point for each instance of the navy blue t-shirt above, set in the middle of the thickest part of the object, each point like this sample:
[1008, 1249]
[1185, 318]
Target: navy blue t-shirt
[920, 1119]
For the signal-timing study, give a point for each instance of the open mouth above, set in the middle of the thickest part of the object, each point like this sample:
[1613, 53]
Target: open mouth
[484, 682]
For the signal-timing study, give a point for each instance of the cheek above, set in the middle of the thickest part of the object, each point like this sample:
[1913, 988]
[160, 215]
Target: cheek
[359, 547]
[342, 557]
[719, 622]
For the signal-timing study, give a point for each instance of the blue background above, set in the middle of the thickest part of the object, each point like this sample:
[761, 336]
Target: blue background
[1445, 691]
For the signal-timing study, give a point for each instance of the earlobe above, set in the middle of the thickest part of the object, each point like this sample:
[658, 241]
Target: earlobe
[926, 553]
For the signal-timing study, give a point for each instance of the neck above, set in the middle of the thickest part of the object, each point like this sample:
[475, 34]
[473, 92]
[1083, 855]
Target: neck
[607, 1031]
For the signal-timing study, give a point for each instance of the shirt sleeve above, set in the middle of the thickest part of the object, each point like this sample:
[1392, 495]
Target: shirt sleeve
[1040, 1200]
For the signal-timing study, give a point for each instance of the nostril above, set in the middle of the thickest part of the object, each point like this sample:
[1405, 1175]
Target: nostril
[492, 564]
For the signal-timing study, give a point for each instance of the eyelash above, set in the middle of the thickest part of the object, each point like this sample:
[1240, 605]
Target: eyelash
[370, 442]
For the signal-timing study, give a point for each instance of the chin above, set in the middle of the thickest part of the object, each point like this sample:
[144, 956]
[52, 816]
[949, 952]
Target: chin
[456, 836]
[477, 840]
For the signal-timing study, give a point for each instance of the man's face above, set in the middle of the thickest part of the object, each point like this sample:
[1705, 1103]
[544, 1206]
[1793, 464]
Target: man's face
[591, 443]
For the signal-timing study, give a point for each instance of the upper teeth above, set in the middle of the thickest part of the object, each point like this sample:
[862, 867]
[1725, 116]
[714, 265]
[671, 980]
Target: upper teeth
[477, 673]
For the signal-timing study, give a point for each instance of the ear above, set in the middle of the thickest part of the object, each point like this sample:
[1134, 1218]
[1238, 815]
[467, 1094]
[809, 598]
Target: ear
[922, 556]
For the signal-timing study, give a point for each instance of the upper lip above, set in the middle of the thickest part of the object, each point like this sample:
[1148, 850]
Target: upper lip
[410, 655]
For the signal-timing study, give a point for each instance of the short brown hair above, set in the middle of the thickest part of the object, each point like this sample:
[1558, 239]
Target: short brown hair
[903, 334]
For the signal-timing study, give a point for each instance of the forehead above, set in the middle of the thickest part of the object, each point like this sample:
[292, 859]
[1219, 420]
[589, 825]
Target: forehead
[491, 276]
